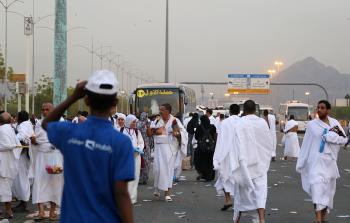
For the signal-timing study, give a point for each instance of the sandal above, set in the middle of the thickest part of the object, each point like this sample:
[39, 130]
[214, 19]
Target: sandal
[156, 194]
[168, 199]
[39, 219]
[7, 216]
[226, 206]
[53, 218]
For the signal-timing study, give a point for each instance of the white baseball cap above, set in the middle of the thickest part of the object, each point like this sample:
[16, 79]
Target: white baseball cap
[103, 82]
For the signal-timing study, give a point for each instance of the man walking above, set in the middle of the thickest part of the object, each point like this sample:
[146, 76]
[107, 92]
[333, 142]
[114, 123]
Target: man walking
[47, 188]
[250, 162]
[21, 184]
[271, 121]
[317, 162]
[223, 151]
[170, 138]
[9, 156]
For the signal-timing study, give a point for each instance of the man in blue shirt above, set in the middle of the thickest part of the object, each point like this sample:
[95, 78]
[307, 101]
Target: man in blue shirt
[98, 161]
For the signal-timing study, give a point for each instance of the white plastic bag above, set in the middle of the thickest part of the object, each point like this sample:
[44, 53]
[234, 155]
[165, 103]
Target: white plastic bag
[55, 163]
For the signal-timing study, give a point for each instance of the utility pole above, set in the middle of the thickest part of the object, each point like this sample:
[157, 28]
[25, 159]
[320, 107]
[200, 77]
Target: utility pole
[167, 43]
[28, 32]
[33, 66]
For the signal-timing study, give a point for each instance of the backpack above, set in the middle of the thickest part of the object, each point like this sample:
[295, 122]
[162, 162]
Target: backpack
[207, 142]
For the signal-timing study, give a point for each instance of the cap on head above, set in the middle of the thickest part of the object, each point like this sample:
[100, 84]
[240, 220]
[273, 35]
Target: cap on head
[103, 82]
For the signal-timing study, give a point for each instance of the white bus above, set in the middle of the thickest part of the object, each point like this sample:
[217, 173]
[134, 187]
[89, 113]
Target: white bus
[300, 111]
[268, 108]
[148, 98]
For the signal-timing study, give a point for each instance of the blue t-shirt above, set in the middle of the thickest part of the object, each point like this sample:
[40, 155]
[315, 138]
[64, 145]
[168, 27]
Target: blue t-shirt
[95, 157]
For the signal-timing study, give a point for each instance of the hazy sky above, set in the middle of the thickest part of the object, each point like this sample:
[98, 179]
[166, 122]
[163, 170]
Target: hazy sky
[208, 38]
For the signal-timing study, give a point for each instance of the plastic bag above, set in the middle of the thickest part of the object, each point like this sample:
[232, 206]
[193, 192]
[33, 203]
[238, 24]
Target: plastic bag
[55, 163]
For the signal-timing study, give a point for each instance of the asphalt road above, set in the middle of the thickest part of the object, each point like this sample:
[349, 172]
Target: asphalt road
[197, 201]
[287, 203]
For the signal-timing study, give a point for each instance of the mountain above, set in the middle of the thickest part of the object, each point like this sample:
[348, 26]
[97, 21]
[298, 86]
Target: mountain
[310, 70]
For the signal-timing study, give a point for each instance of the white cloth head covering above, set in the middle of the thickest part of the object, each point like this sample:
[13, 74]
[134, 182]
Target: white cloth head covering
[289, 125]
[121, 115]
[129, 119]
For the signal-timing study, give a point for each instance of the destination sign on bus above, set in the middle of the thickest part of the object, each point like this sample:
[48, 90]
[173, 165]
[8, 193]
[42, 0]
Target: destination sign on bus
[248, 83]
[153, 92]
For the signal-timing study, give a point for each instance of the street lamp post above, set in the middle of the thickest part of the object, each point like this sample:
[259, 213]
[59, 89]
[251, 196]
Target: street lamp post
[278, 64]
[271, 72]
[6, 7]
[308, 97]
[212, 99]
[167, 43]
[29, 27]
[101, 56]
[122, 93]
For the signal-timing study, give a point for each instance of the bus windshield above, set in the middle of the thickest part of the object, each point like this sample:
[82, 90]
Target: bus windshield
[149, 100]
[300, 113]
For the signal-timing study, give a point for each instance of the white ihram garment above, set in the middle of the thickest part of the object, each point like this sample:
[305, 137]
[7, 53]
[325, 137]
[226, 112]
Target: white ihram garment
[180, 155]
[21, 184]
[166, 149]
[46, 187]
[272, 124]
[137, 142]
[291, 142]
[249, 163]
[221, 158]
[319, 170]
[9, 157]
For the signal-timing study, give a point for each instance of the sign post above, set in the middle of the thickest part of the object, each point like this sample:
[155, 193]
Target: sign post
[28, 32]
[248, 84]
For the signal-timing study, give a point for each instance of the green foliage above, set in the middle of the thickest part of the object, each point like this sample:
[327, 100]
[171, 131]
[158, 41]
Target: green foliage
[74, 108]
[44, 93]
[2, 76]
[2, 69]
[341, 113]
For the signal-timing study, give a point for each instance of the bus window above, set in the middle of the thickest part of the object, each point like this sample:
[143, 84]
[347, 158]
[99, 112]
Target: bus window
[300, 113]
[149, 100]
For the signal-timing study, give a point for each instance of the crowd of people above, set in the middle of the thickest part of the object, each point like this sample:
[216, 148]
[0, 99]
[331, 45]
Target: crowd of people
[91, 166]
[246, 145]
[25, 156]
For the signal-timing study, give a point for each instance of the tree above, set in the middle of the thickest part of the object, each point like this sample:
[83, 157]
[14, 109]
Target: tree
[347, 97]
[44, 92]
[2, 78]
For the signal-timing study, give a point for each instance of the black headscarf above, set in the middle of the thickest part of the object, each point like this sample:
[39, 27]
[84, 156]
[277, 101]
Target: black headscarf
[205, 122]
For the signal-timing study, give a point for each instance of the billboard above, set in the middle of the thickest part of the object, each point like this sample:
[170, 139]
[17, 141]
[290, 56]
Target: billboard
[18, 78]
[248, 84]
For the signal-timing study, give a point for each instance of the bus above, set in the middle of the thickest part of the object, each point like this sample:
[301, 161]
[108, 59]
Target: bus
[240, 103]
[148, 98]
[301, 112]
